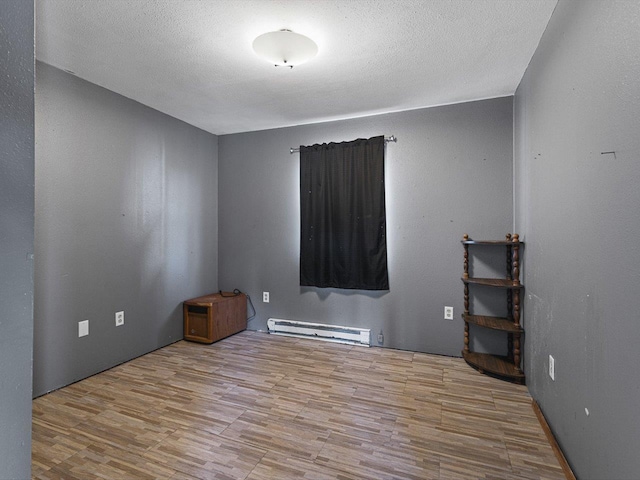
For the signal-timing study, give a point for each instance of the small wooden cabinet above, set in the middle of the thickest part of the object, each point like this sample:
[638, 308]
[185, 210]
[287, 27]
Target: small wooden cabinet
[507, 367]
[210, 318]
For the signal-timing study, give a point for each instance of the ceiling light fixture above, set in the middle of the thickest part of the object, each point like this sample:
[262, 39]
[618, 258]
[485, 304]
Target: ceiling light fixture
[285, 48]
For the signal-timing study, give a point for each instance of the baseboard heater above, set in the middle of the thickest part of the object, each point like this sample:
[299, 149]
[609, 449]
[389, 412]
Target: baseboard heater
[327, 333]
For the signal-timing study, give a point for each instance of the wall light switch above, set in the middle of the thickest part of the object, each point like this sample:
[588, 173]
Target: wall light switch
[83, 328]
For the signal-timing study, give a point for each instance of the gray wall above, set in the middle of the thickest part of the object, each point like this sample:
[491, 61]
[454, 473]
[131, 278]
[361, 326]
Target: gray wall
[449, 173]
[16, 235]
[579, 212]
[126, 219]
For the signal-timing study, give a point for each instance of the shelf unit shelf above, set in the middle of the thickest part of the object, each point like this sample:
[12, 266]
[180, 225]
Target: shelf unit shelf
[506, 367]
[495, 323]
[493, 282]
[495, 364]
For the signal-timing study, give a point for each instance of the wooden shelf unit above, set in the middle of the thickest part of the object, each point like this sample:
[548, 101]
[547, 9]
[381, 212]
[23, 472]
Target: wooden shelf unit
[507, 367]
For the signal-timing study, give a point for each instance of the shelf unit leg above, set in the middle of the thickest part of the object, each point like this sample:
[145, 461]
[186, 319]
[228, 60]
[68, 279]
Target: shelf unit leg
[516, 320]
[516, 353]
[515, 275]
[509, 272]
[509, 277]
[465, 273]
[466, 337]
[510, 347]
[466, 299]
[515, 263]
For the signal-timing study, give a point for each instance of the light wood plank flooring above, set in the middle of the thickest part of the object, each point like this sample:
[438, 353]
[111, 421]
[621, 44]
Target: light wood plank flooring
[258, 406]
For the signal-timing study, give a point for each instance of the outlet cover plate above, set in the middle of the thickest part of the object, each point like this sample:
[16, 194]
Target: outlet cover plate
[448, 313]
[265, 297]
[552, 368]
[119, 318]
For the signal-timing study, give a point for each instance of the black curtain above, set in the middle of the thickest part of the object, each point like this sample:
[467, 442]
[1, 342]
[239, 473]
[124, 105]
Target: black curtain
[343, 220]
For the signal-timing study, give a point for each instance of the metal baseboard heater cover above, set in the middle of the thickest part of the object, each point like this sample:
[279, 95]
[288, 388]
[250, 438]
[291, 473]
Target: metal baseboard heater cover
[319, 331]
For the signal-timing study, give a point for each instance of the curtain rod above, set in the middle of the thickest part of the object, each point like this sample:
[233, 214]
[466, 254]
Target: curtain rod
[392, 138]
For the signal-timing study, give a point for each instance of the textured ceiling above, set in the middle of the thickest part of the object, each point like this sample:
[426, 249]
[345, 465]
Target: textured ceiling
[193, 59]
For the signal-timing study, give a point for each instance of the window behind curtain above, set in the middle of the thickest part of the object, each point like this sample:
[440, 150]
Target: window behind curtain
[343, 220]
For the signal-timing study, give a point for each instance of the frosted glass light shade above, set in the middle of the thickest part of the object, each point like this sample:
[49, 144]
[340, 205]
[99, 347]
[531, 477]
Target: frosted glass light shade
[285, 48]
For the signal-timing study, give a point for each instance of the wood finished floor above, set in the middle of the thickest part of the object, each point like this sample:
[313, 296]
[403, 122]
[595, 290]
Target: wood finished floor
[257, 406]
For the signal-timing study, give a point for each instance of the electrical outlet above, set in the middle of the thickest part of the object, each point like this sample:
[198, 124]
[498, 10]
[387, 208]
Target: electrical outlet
[265, 297]
[380, 337]
[448, 313]
[83, 328]
[119, 318]
[552, 368]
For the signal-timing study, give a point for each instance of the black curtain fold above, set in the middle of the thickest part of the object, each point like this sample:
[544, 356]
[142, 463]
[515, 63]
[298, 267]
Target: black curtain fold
[343, 218]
